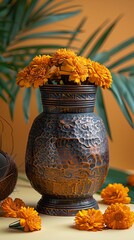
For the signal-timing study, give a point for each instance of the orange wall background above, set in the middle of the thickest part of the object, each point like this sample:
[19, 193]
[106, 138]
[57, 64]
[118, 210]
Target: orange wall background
[122, 145]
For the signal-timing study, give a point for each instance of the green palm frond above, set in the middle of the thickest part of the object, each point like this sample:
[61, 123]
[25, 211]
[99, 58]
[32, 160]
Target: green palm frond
[123, 78]
[19, 22]
[101, 109]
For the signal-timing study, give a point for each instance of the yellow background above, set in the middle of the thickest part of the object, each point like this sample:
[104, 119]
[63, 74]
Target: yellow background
[122, 145]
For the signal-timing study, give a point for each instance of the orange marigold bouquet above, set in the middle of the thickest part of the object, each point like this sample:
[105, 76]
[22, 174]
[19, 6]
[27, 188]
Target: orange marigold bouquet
[64, 67]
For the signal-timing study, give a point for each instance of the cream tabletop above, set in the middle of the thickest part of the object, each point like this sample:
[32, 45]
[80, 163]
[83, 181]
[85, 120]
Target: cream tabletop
[55, 227]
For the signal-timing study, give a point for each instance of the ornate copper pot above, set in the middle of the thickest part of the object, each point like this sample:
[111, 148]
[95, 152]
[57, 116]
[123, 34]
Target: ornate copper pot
[67, 153]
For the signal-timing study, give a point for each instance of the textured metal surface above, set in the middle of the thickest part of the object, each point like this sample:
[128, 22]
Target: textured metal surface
[64, 207]
[73, 98]
[67, 158]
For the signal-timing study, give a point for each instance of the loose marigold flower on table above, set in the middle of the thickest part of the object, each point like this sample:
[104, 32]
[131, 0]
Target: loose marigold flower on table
[90, 220]
[10, 207]
[130, 180]
[118, 216]
[115, 193]
[29, 219]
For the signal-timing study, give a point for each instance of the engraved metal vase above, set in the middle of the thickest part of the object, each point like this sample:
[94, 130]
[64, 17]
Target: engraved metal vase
[67, 154]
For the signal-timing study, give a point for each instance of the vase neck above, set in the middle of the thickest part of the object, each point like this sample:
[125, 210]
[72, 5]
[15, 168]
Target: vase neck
[68, 98]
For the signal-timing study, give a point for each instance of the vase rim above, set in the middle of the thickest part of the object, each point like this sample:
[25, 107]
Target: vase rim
[57, 87]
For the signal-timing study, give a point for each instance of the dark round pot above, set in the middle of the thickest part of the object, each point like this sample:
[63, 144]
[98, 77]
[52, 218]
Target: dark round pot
[8, 175]
[67, 153]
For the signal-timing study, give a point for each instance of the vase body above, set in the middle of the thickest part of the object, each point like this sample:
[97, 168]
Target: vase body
[67, 154]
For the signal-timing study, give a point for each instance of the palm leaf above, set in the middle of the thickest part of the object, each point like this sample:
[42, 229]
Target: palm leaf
[15, 91]
[122, 60]
[98, 44]
[122, 84]
[47, 35]
[52, 19]
[104, 57]
[129, 70]
[121, 46]
[44, 7]
[26, 102]
[28, 12]
[34, 48]
[119, 98]
[2, 95]
[21, 10]
[4, 87]
[91, 38]
[46, 15]
[100, 107]
[5, 66]
[77, 30]
[50, 7]
[38, 97]
[17, 16]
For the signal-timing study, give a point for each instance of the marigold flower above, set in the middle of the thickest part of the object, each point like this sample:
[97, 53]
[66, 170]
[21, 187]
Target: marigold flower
[61, 55]
[90, 220]
[29, 219]
[118, 216]
[34, 74]
[43, 61]
[10, 207]
[115, 193]
[130, 180]
[63, 67]
[100, 75]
